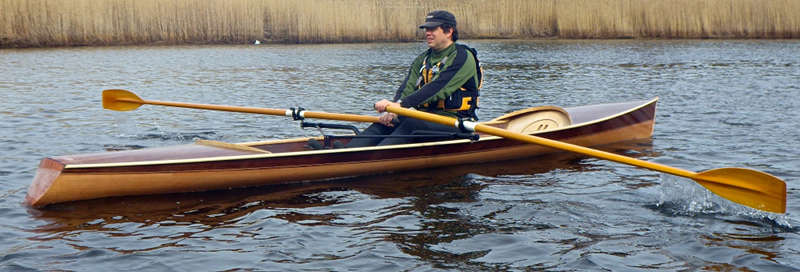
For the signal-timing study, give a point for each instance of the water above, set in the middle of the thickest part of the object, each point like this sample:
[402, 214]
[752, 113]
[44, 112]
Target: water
[722, 104]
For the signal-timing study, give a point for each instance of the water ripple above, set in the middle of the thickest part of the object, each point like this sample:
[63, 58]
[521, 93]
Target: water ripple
[722, 103]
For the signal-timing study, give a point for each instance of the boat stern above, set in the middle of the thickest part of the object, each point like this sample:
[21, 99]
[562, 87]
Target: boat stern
[48, 172]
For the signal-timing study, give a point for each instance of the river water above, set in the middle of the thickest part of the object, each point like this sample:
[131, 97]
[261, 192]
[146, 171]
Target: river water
[722, 103]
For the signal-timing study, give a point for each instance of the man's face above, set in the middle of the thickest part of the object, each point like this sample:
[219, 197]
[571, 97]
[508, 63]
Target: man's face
[437, 38]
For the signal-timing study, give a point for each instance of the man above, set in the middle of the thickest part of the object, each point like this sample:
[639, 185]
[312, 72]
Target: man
[444, 80]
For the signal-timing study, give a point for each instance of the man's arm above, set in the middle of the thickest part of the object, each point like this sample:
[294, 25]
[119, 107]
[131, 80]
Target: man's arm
[411, 79]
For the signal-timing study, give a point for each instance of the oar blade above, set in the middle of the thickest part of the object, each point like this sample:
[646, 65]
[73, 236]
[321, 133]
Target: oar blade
[120, 100]
[748, 187]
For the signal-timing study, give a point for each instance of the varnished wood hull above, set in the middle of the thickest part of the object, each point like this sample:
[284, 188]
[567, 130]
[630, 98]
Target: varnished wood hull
[193, 167]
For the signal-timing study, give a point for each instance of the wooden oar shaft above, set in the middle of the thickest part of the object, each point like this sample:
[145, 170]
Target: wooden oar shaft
[609, 156]
[585, 151]
[744, 186]
[281, 112]
[340, 116]
[207, 106]
[444, 120]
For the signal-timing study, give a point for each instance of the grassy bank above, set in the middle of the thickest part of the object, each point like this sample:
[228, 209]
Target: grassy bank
[26, 23]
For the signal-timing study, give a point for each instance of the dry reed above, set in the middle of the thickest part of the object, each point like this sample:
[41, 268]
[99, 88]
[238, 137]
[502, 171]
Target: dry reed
[25, 23]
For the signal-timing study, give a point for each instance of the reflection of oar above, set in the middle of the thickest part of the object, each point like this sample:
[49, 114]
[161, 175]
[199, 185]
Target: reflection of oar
[122, 100]
[748, 187]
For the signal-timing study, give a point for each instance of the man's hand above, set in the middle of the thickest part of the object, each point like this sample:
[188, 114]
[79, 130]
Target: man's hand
[386, 119]
[380, 106]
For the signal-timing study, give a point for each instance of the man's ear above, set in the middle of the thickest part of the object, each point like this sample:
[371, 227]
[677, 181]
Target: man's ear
[450, 33]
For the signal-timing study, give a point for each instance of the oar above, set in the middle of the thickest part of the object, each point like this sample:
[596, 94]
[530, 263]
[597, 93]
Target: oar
[122, 100]
[748, 187]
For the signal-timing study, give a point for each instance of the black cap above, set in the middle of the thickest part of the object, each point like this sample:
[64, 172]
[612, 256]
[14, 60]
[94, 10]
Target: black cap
[437, 18]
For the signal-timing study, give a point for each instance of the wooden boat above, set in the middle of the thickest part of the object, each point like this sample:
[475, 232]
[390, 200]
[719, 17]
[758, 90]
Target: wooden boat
[210, 165]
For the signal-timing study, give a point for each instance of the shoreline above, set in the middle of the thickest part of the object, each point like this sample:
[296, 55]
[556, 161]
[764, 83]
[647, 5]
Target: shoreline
[463, 40]
[42, 24]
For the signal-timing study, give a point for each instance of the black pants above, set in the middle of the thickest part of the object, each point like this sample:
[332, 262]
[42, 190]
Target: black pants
[406, 126]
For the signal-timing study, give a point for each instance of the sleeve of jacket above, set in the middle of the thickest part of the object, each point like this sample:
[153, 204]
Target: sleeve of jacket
[448, 81]
[410, 82]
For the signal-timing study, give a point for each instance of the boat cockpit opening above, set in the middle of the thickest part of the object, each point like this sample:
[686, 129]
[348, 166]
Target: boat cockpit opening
[330, 141]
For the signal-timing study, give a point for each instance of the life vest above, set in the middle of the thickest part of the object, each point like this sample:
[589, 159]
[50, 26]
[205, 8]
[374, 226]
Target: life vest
[464, 102]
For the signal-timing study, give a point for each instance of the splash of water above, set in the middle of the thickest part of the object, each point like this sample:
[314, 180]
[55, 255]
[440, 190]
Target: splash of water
[681, 196]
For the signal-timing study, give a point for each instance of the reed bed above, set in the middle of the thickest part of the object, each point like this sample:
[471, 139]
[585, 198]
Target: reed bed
[25, 23]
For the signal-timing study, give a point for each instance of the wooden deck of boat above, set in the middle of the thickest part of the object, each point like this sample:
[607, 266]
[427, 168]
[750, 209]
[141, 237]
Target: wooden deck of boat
[188, 152]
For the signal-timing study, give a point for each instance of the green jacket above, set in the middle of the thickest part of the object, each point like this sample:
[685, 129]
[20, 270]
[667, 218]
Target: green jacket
[458, 70]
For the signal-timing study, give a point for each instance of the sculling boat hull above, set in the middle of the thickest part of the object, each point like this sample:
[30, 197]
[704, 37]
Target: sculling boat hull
[202, 167]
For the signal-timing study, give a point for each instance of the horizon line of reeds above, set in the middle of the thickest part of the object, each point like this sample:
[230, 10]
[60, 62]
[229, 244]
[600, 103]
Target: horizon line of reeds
[42, 23]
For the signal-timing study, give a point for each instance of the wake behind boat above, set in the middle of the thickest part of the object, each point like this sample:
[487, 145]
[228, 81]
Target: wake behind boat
[211, 165]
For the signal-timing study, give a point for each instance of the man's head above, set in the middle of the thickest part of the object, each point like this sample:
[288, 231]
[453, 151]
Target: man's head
[440, 29]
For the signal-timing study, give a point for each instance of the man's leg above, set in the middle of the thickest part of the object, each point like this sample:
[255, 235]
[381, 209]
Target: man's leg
[408, 125]
[374, 129]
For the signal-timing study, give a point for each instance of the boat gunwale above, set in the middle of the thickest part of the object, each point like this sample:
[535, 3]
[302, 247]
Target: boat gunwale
[643, 103]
